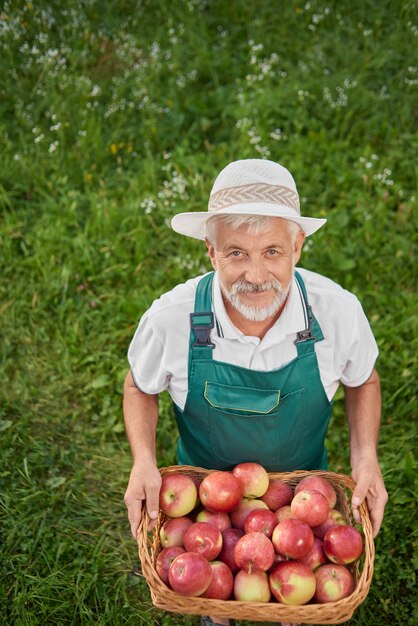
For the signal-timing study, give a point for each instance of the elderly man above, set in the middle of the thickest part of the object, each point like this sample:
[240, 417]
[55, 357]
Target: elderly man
[253, 353]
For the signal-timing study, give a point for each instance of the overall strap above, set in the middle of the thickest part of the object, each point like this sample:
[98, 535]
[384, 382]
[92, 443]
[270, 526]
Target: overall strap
[202, 321]
[306, 338]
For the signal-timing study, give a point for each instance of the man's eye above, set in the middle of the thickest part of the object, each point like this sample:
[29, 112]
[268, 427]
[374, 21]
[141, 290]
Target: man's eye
[272, 252]
[235, 253]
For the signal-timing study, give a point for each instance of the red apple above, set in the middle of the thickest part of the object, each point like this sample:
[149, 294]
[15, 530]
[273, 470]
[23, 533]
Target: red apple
[222, 582]
[253, 478]
[252, 587]
[278, 494]
[220, 491]
[239, 515]
[219, 519]
[165, 559]
[230, 537]
[254, 551]
[292, 582]
[343, 544]
[316, 556]
[203, 538]
[310, 506]
[313, 481]
[260, 521]
[334, 518]
[292, 538]
[178, 495]
[285, 512]
[172, 531]
[333, 582]
[190, 574]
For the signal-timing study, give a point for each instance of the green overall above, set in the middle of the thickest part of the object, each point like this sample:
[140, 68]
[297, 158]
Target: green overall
[278, 418]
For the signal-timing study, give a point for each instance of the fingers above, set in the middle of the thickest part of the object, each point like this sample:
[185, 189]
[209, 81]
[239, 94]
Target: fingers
[134, 506]
[153, 502]
[153, 505]
[356, 513]
[359, 494]
[143, 489]
[370, 487]
[377, 510]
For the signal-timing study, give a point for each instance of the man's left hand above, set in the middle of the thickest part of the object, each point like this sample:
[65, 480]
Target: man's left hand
[370, 486]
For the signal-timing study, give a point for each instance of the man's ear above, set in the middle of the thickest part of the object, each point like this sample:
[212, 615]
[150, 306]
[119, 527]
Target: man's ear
[211, 252]
[298, 245]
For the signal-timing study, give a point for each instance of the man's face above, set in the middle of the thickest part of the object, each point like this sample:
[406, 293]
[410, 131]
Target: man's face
[255, 271]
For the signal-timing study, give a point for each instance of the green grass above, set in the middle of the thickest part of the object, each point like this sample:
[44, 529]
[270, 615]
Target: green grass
[114, 116]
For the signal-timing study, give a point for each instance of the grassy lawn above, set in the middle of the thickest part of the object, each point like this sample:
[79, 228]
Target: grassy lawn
[116, 115]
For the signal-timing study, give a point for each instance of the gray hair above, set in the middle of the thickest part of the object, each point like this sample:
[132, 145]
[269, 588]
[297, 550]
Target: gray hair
[254, 224]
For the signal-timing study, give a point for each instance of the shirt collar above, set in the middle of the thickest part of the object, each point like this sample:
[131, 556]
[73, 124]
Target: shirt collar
[291, 321]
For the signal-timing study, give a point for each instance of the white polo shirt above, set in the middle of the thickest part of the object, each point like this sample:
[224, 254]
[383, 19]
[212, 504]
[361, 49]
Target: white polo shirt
[158, 353]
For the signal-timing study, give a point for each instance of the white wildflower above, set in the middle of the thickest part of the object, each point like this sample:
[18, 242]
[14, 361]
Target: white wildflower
[96, 91]
[148, 204]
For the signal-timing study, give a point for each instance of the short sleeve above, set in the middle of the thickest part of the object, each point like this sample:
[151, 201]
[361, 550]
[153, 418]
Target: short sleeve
[362, 352]
[147, 359]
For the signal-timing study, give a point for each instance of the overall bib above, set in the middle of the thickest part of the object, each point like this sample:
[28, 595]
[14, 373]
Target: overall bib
[278, 418]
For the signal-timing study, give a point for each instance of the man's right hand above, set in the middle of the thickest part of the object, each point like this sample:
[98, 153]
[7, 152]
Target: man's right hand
[144, 486]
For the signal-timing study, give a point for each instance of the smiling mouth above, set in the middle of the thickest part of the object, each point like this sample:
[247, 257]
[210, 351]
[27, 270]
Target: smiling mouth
[254, 294]
[255, 299]
[256, 302]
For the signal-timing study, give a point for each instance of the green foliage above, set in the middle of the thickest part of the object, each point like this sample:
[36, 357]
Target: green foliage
[115, 116]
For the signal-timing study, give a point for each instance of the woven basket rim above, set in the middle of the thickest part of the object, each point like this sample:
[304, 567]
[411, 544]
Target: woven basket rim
[330, 613]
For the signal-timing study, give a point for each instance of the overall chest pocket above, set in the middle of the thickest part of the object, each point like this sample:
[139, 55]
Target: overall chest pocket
[241, 399]
[260, 425]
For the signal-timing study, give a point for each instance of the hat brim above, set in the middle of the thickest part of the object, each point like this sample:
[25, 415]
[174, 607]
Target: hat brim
[193, 224]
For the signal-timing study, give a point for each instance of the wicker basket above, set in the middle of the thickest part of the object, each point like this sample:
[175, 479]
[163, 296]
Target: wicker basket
[330, 613]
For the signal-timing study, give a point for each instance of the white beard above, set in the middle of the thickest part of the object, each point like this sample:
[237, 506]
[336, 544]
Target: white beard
[256, 313]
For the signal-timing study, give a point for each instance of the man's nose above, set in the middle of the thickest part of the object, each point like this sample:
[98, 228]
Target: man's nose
[256, 272]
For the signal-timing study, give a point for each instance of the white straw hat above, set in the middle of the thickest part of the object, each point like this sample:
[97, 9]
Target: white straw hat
[249, 187]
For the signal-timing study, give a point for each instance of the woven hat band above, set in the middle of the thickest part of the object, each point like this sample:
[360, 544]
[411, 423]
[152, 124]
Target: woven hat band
[255, 192]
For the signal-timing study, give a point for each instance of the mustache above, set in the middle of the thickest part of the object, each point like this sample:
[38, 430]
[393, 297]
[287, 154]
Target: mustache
[243, 286]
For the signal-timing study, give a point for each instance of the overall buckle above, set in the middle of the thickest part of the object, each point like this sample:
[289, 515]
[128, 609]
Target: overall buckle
[202, 324]
[304, 335]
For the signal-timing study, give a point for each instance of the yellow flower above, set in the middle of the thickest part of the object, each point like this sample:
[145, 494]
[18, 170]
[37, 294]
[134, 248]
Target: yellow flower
[129, 149]
[113, 148]
[29, 6]
[299, 10]
[88, 177]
